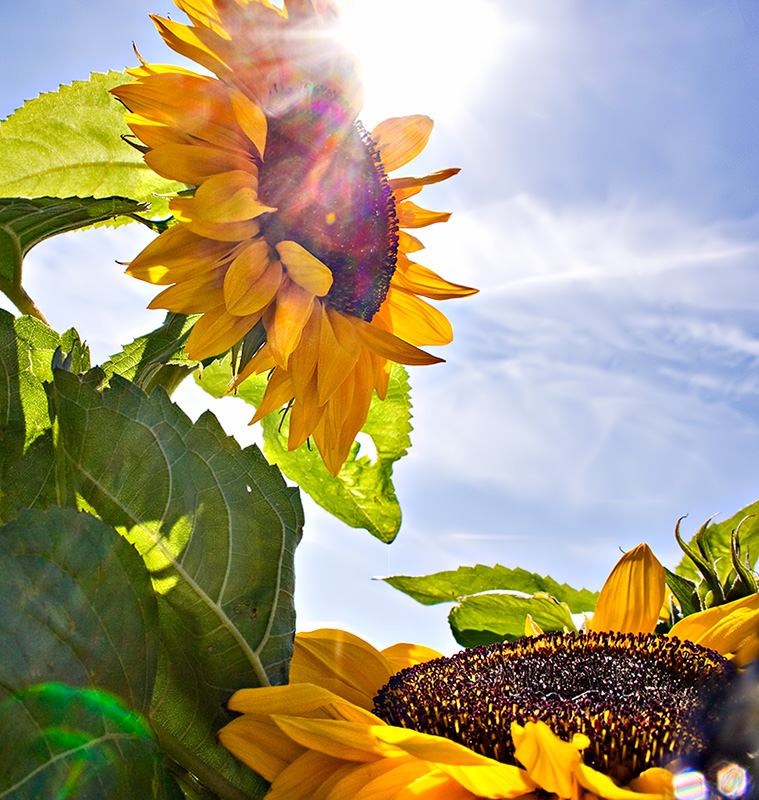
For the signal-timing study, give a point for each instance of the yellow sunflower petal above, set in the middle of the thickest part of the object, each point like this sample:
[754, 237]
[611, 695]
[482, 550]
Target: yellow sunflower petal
[193, 164]
[549, 761]
[196, 295]
[260, 744]
[604, 787]
[400, 139]
[632, 596]
[285, 327]
[305, 777]
[279, 390]
[408, 243]
[732, 628]
[342, 663]
[377, 779]
[339, 348]
[175, 255]
[183, 209]
[250, 118]
[414, 320]
[405, 655]
[304, 360]
[389, 346]
[415, 278]
[229, 197]
[216, 331]
[436, 785]
[298, 699]
[252, 280]
[531, 628]
[655, 781]
[185, 41]
[424, 180]
[479, 774]
[411, 215]
[351, 741]
[305, 269]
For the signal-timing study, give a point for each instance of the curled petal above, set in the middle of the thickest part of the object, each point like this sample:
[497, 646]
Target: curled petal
[305, 269]
[229, 197]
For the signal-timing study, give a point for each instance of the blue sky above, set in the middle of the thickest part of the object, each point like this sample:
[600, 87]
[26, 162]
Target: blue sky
[604, 382]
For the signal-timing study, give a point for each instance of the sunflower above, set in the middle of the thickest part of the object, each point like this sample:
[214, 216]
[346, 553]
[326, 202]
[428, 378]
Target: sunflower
[563, 714]
[293, 244]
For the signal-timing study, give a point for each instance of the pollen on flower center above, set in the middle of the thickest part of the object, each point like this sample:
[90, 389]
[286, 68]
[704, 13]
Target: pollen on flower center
[323, 175]
[640, 699]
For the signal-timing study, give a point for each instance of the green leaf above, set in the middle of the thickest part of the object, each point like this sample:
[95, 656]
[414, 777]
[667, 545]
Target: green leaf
[68, 143]
[25, 223]
[362, 495]
[489, 618]
[451, 586]
[77, 607]
[26, 456]
[717, 538]
[217, 527]
[61, 742]
[157, 358]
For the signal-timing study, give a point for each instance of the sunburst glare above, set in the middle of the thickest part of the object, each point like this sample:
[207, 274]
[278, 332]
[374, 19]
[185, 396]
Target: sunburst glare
[416, 55]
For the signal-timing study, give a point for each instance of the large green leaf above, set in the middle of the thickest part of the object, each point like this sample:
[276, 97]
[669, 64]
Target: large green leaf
[26, 222]
[68, 143]
[60, 742]
[217, 527]
[362, 495]
[717, 537]
[453, 585]
[26, 456]
[77, 607]
[490, 618]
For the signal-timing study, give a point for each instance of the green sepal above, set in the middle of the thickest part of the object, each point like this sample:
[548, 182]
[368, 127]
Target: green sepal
[743, 581]
[712, 583]
[685, 592]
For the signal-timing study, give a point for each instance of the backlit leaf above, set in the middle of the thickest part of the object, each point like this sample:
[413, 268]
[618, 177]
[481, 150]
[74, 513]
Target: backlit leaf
[217, 527]
[68, 143]
[362, 495]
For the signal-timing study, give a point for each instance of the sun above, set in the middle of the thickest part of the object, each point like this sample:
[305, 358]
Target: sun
[421, 56]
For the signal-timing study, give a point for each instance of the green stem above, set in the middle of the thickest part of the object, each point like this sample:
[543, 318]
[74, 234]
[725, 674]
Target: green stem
[16, 294]
[206, 775]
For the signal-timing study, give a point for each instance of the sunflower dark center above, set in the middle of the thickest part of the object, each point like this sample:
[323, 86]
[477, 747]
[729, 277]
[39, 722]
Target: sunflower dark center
[322, 173]
[641, 699]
